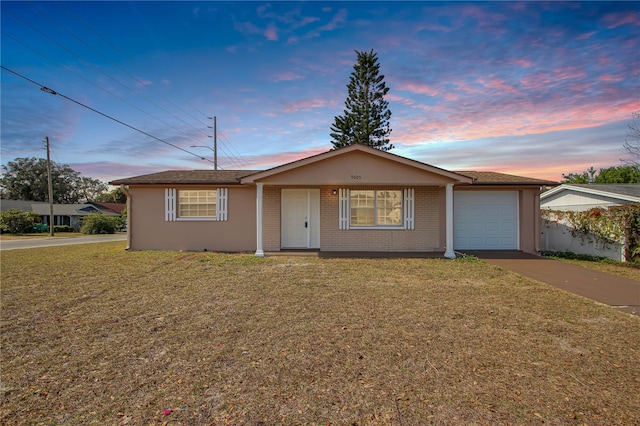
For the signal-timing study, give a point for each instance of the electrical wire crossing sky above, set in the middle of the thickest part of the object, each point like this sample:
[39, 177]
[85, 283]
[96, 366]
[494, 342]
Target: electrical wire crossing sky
[535, 89]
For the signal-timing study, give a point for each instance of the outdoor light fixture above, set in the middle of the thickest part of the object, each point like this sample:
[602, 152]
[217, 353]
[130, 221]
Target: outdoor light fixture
[334, 192]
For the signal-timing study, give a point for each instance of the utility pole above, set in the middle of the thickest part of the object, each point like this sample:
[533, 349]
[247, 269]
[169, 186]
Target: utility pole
[50, 183]
[215, 143]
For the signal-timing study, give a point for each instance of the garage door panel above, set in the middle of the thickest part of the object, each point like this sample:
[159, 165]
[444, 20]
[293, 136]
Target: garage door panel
[486, 220]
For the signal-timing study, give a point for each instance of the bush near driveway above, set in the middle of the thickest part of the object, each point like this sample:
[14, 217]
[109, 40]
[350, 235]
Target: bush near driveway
[98, 335]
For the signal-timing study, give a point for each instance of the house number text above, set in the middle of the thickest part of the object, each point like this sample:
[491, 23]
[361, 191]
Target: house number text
[356, 177]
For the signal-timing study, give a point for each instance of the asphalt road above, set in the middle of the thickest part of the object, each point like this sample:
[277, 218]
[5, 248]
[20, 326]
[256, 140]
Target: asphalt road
[59, 241]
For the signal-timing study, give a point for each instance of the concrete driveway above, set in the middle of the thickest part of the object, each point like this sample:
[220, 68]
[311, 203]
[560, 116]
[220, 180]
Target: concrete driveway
[59, 241]
[620, 293]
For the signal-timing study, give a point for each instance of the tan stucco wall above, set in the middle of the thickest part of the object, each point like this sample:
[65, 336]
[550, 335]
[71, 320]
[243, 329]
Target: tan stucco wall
[149, 230]
[530, 220]
[358, 168]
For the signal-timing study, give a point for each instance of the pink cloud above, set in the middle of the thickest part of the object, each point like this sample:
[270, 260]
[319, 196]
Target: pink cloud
[338, 20]
[246, 28]
[271, 33]
[586, 35]
[610, 78]
[486, 20]
[287, 76]
[433, 27]
[421, 89]
[400, 99]
[511, 119]
[499, 85]
[616, 19]
[305, 105]
[263, 162]
[524, 63]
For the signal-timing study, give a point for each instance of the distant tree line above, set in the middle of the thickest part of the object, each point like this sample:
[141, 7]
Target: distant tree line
[26, 179]
[614, 174]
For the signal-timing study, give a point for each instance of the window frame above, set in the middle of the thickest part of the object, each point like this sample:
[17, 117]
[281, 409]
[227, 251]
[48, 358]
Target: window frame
[172, 204]
[179, 205]
[377, 208]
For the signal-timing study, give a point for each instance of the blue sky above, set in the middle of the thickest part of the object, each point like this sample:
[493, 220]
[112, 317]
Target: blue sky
[528, 88]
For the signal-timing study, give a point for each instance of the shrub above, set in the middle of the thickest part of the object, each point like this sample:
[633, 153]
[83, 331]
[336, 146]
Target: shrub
[100, 224]
[63, 228]
[14, 221]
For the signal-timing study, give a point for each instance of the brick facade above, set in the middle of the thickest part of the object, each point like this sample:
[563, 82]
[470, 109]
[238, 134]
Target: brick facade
[425, 237]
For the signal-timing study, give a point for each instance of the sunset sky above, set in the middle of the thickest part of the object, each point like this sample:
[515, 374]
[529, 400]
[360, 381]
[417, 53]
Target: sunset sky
[528, 88]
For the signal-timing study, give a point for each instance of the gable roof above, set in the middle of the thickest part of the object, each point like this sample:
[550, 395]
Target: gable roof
[351, 148]
[111, 207]
[225, 177]
[239, 177]
[621, 191]
[495, 178]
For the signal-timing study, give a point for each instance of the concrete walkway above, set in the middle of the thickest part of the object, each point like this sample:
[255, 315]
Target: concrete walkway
[620, 293]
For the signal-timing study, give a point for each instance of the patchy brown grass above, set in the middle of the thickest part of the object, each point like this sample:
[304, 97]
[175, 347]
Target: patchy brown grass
[96, 335]
[625, 270]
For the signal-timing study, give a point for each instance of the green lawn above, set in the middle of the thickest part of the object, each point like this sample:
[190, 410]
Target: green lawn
[92, 334]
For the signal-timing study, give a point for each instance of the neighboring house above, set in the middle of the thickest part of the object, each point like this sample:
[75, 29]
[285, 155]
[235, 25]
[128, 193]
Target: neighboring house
[557, 236]
[63, 214]
[352, 199]
[581, 197]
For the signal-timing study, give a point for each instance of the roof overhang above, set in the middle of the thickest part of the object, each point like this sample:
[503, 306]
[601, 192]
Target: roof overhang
[282, 174]
[587, 190]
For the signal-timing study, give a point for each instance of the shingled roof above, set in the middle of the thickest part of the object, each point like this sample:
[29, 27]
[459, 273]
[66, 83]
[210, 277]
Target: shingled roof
[495, 178]
[219, 177]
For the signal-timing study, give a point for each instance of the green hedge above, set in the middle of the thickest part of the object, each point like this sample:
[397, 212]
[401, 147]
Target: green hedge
[100, 224]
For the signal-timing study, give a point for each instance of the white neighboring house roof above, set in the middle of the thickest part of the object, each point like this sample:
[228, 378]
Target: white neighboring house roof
[586, 196]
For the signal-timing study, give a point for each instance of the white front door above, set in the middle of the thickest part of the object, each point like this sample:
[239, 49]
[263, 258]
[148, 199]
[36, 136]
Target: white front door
[300, 218]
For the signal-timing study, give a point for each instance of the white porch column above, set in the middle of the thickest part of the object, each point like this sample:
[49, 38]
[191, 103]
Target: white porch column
[259, 251]
[449, 253]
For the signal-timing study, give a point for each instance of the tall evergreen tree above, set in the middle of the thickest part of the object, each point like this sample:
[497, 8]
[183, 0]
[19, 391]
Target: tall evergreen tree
[366, 115]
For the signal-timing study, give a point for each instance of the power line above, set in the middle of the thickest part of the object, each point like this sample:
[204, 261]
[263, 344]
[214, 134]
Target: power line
[95, 67]
[53, 92]
[235, 153]
[237, 157]
[232, 155]
[132, 61]
[87, 80]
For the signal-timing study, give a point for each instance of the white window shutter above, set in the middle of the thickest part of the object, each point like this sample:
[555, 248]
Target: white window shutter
[409, 207]
[222, 195]
[170, 204]
[343, 208]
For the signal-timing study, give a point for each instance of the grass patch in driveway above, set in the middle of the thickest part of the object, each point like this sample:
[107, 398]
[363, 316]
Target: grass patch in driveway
[92, 334]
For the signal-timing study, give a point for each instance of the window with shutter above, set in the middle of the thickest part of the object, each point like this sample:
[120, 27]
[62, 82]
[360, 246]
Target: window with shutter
[188, 204]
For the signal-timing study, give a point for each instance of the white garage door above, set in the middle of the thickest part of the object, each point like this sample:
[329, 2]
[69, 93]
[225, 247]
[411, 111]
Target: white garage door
[485, 220]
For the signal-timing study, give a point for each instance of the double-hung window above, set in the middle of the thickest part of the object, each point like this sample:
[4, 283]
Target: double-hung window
[369, 208]
[382, 209]
[196, 204]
